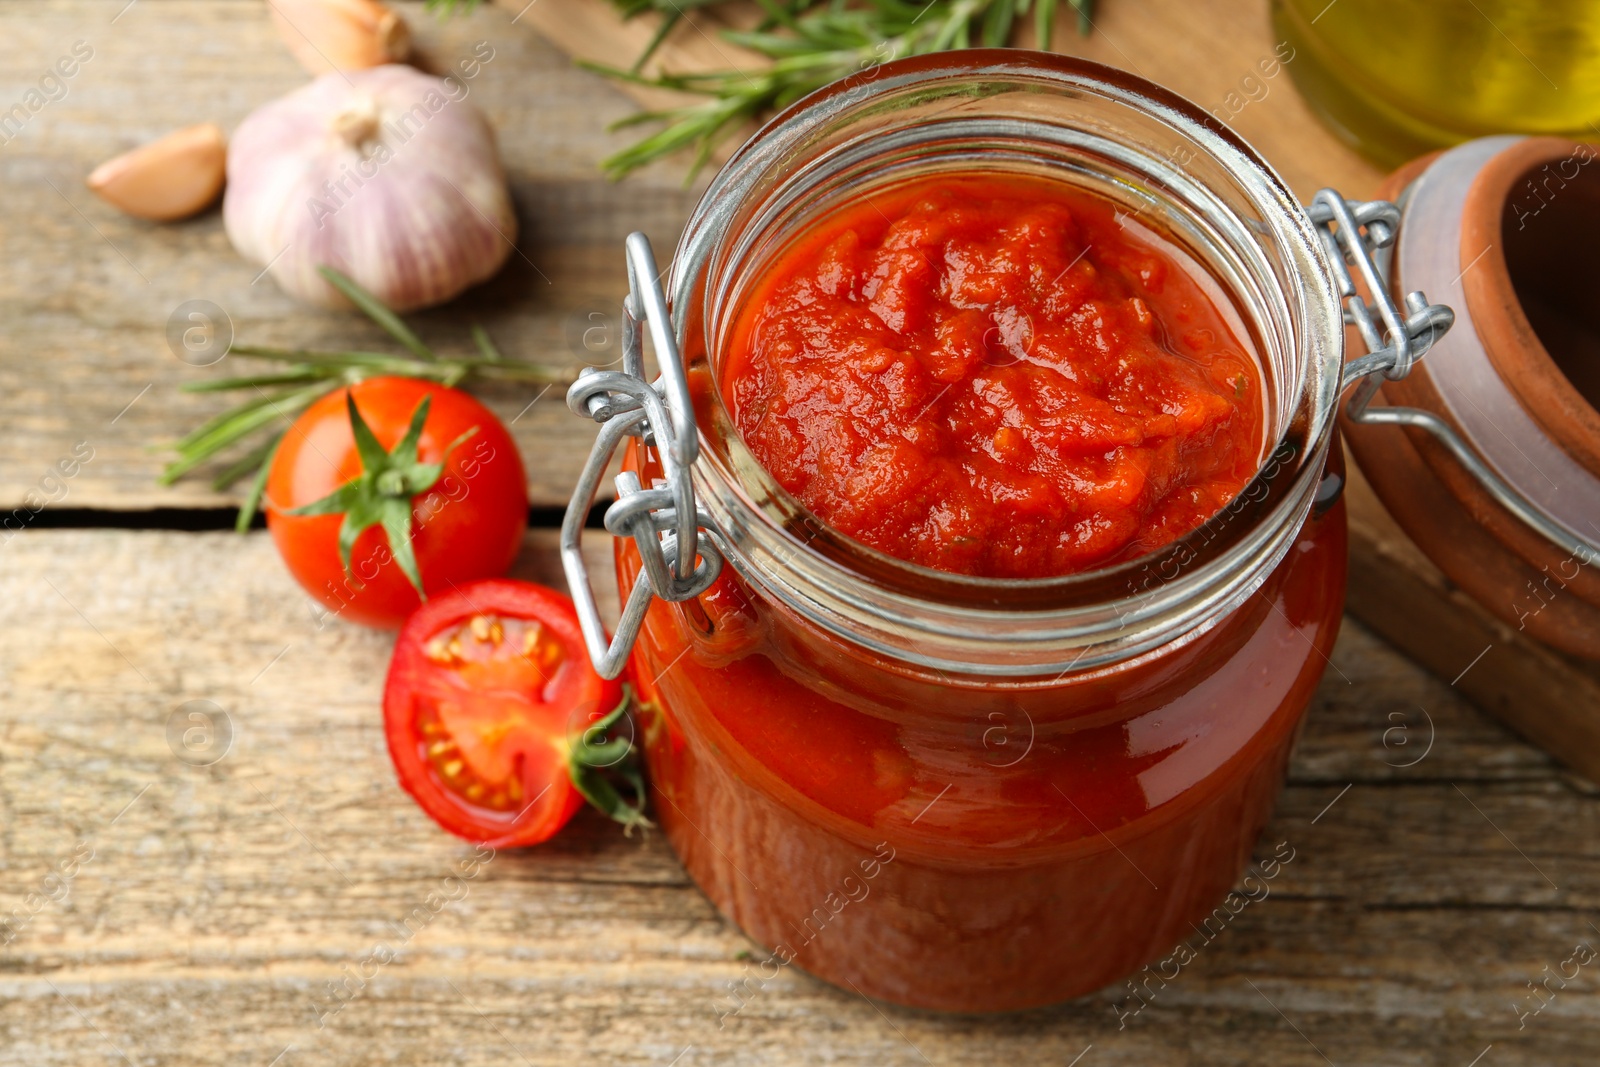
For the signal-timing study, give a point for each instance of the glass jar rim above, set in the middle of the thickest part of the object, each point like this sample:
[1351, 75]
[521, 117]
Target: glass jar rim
[1016, 626]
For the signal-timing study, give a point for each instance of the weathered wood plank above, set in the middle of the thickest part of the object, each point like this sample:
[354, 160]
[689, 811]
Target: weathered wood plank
[1549, 698]
[219, 905]
[1158, 39]
[85, 293]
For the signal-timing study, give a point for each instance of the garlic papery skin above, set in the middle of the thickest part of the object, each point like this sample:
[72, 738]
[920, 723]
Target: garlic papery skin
[329, 35]
[388, 175]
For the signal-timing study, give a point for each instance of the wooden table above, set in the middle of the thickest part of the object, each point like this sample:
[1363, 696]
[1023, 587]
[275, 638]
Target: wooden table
[1440, 864]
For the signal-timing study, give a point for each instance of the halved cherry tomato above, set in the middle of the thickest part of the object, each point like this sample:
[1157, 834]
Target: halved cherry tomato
[489, 688]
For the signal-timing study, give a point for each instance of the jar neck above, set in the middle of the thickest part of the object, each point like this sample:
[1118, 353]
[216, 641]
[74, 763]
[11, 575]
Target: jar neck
[1121, 137]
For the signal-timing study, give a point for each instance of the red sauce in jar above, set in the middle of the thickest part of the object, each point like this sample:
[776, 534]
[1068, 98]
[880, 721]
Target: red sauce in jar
[996, 376]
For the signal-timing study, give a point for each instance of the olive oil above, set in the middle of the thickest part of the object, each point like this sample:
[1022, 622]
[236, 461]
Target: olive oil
[1396, 78]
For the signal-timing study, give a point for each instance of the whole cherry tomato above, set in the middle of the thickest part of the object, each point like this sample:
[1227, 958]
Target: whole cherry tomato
[390, 486]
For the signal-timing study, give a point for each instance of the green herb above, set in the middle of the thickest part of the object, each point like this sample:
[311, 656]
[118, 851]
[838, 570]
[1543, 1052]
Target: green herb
[596, 757]
[256, 425]
[810, 43]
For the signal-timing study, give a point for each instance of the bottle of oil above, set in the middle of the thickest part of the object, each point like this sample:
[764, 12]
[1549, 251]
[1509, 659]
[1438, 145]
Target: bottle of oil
[1396, 78]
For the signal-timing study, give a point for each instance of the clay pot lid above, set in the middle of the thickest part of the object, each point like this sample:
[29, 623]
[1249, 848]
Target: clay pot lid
[1495, 381]
[1442, 250]
[1534, 211]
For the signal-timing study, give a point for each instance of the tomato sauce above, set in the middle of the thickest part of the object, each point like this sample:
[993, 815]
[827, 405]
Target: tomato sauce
[1044, 839]
[996, 376]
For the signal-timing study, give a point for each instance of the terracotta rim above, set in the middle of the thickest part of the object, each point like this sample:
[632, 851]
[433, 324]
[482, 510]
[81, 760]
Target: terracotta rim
[1516, 351]
[1479, 545]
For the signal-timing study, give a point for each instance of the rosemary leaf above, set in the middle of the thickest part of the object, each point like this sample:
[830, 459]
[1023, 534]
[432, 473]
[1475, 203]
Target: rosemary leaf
[375, 310]
[258, 488]
[249, 463]
[297, 376]
[238, 424]
[480, 337]
[668, 24]
[281, 394]
[374, 360]
[811, 43]
[186, 444]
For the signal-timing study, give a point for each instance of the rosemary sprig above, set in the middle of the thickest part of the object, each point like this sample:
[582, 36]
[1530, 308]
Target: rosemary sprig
[810, 43]
[256, 423]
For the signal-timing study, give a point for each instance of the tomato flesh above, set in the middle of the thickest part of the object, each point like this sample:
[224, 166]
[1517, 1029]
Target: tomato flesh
[998, 376]
[480, 729]
[488, 685]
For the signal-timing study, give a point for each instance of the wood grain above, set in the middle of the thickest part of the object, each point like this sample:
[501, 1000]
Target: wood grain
[85, 292]
[1549, 698]
[1441, 864]
[222, 901]
[1207, 50]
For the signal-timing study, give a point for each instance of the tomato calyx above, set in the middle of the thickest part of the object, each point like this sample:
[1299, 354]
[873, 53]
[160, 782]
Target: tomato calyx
[382, 493]
[597, 756]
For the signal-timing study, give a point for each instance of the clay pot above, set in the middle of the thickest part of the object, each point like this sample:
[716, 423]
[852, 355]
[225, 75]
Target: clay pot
[1506, 230]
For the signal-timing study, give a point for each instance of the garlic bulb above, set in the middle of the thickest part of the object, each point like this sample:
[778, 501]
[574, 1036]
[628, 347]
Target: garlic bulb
[329, 35]
[388, 175]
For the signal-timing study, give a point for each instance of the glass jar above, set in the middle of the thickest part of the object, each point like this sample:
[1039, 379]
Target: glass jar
[975, 794]
[1444, 71]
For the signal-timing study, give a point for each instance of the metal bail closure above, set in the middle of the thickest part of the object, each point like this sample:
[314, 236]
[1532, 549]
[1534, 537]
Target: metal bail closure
[1361, 234]
[663, 520]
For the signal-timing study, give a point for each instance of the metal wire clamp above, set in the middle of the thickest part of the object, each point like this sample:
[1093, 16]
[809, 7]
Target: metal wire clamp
[663, 520]
[678, 563]
[1401, 341]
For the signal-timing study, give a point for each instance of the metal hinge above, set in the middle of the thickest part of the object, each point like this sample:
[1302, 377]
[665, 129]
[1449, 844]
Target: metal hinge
[1361, 233]
[663, 519]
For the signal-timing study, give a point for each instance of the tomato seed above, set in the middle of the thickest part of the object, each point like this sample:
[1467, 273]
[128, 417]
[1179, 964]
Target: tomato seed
[472, 643]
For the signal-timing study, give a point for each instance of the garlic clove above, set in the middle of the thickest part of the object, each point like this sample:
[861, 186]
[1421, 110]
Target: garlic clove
[170, 178]
[327, 35]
